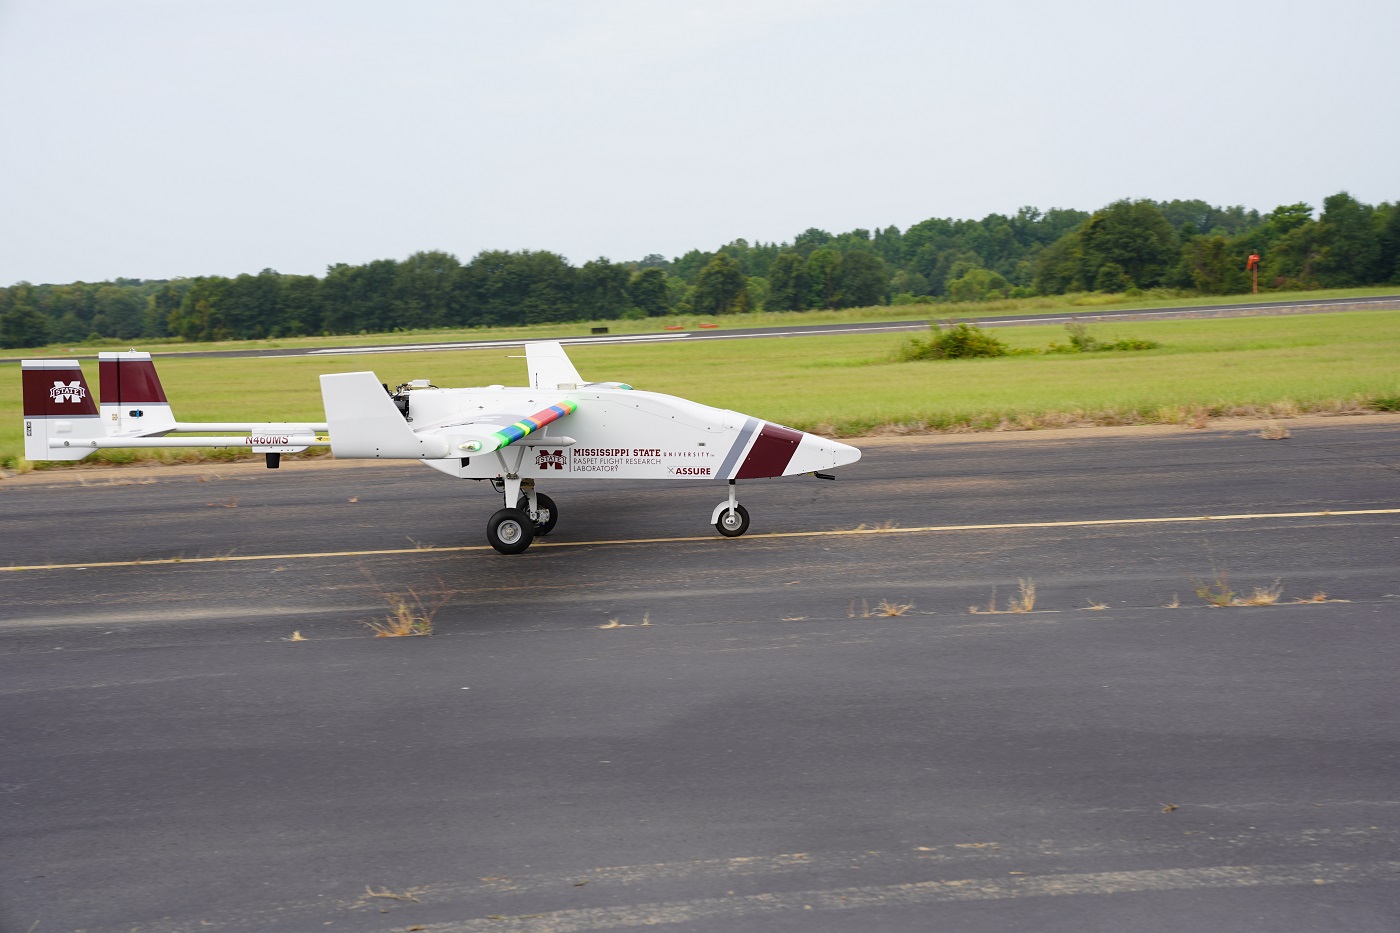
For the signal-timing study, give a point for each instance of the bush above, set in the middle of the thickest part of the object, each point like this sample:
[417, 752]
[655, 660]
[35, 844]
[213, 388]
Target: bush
[1081, 341]
[963, 341]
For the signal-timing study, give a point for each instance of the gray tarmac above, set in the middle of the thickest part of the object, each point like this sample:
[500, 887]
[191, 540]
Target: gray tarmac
[639, 723]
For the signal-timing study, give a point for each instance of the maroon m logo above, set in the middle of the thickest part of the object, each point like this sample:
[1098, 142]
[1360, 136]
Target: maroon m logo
[546, 458]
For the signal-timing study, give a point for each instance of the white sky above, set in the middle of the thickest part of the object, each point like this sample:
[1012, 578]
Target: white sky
[163, 138]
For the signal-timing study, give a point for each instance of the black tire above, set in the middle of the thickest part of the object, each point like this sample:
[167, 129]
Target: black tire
[510, 531]
[730, 528]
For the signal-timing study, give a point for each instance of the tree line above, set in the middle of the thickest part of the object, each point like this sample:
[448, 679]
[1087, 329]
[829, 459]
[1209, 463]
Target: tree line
[1126, 247]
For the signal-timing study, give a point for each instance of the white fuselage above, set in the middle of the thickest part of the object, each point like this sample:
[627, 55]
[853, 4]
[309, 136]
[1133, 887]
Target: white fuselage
[621, 433]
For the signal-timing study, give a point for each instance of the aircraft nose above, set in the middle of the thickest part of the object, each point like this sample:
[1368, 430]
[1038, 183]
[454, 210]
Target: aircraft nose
[819, 453]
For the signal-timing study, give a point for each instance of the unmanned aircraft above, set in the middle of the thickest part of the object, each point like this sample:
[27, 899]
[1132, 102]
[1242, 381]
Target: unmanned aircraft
[511, 437]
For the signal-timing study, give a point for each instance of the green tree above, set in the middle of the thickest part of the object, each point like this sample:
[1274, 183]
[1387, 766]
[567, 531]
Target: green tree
[1111, 279]
[301, 307]
[424, 291]
[862, 280]
[720, 287]
[1388, 257]
[977, 284]
[1209, 262]
[1131, 234]
[810, 240]
[1287, 217]
[359, 299]
[787, 282]
[1289, 261]
[159, 307]
[646, 290]
[21, 322]
[526, 287]
[251, 305]
[689, 266]
[823, 273]
[1349, 247]
[121, 309]
[601, 290]
[199, 317]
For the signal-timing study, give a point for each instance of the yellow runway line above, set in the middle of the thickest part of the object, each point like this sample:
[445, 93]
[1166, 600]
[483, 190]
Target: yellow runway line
[926, 529]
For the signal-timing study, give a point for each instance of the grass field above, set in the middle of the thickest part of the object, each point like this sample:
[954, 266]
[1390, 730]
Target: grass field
[919, 312]
[851, 385]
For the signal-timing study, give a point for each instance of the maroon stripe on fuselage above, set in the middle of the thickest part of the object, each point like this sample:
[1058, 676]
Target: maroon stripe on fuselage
[56, 393]
[129, 382]
[771, 452]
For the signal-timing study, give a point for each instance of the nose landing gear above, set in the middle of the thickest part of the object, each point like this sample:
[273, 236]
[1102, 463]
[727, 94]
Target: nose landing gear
[730, 518]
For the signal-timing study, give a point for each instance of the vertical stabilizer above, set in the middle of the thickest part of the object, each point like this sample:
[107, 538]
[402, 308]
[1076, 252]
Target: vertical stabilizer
[57, 406]
[550, 367]
[132, 400]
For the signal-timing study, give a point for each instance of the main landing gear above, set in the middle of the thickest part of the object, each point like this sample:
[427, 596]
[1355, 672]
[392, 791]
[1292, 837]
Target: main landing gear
[512, 530]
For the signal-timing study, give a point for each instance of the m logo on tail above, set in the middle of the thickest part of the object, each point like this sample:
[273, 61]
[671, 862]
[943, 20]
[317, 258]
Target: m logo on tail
[68, 391]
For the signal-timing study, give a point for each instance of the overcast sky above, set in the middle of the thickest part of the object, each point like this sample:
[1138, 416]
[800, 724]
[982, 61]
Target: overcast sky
[163, 138]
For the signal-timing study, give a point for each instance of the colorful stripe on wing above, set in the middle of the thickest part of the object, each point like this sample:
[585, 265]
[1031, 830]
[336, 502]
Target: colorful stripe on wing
[527, 426]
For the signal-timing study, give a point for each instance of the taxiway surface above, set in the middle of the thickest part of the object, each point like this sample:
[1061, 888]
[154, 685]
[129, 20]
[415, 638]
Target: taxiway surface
[640, 723]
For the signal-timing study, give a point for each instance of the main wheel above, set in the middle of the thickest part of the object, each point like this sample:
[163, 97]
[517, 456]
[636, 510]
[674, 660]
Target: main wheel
[510, 531]
[547, 511]
[733, 524]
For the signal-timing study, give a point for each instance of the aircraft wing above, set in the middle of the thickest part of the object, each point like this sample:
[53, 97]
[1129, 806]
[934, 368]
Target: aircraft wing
[486, 433]
[364, 422]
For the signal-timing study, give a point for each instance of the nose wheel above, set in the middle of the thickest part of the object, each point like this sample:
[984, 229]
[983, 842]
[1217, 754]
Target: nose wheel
[729, 517]
[732, 522]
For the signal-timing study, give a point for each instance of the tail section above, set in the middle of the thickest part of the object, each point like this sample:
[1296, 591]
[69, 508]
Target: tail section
[133, 403]
[59, 411]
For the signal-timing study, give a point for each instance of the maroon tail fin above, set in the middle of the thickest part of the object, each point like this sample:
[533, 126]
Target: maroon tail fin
[133, 401]
[58, 406]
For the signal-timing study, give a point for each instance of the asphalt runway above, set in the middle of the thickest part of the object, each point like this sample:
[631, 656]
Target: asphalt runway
[642, 724]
